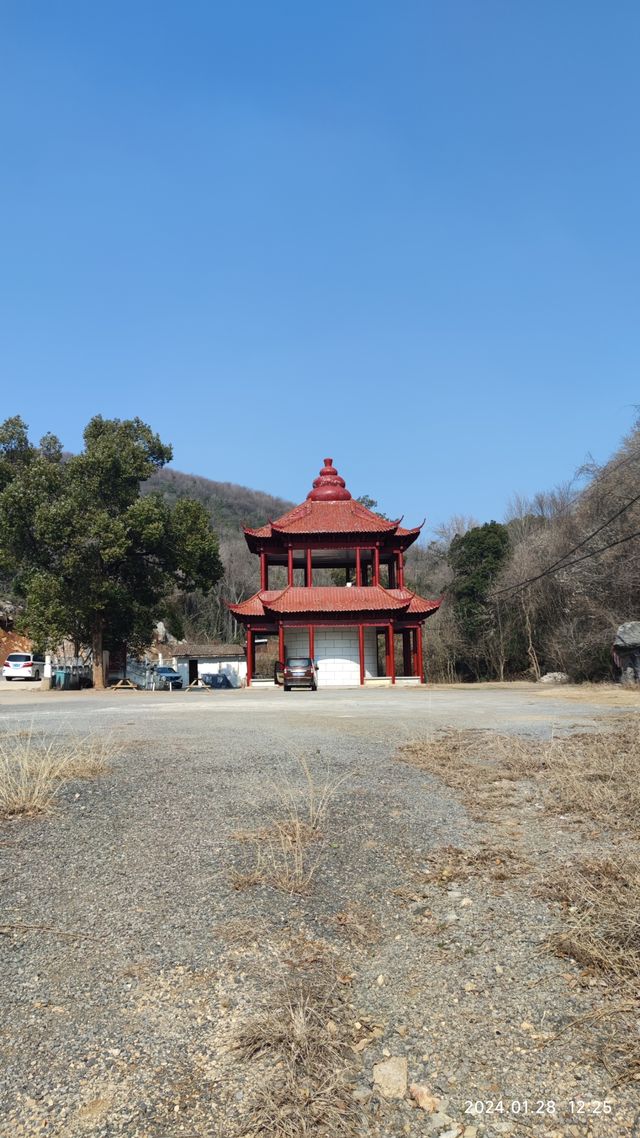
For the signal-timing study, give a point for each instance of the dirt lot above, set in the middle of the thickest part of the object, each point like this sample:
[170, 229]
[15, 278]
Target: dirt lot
[273, 913]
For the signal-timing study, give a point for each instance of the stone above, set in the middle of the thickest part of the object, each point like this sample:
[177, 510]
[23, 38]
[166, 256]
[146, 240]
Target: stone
[361, 1094]
[440, 1121]
[390, 1077]
[424, 1098]
[554, 678]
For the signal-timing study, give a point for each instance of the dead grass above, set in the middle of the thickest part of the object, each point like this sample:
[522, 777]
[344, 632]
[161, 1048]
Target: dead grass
[306, 1056]
[282, 851]
[451, 863]
[34, 767]
[601, 914]
[597, 773]
[594, 773]
[600, 901]
[360, 926]
[483, 766]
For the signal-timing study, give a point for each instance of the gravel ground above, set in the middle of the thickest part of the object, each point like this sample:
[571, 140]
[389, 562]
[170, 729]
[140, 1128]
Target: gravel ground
[130, 960]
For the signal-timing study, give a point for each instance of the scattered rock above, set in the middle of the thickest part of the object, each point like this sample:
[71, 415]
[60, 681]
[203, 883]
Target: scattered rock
[361, 1094]
[439, 1122]
[390, 1077]
[424, 1098]
[554, 678]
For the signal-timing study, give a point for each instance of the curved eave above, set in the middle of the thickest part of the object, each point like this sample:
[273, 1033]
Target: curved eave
[335, 601]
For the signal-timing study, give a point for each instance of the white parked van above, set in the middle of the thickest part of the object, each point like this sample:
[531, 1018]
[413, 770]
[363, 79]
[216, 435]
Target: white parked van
[23, 666]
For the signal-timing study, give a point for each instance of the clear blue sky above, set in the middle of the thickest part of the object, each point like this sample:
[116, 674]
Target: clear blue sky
[403, 234]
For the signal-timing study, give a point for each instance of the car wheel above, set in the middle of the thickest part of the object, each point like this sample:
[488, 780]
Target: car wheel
[36, 675]
[8, 679]
[314, 687]
[287, 687]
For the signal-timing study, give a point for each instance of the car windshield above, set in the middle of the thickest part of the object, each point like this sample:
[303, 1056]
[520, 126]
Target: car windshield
[167, 671]
[18, 657]
[299, 662]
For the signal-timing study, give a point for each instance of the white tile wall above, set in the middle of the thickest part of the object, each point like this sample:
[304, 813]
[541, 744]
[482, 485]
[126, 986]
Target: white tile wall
[336, 650]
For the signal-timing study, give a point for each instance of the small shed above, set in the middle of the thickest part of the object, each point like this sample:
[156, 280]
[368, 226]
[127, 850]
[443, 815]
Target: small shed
[195, 660]
[626, 651]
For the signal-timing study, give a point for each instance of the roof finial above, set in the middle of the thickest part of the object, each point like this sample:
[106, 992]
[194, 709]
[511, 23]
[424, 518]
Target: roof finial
[329, 486]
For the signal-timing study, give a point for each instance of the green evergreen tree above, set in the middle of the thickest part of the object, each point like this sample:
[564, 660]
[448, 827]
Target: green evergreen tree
[94, 560]
[476, 558]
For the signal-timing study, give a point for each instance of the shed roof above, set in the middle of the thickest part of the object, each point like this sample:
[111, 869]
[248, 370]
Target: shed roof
[224, 650]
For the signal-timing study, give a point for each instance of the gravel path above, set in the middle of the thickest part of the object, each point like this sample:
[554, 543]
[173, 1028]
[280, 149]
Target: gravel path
[129, 960]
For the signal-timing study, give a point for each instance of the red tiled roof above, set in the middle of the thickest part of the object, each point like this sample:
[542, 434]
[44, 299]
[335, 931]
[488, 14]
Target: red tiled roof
[254, 605]
[329, 510]
[334, 599]
[417, 604]
[326, 518]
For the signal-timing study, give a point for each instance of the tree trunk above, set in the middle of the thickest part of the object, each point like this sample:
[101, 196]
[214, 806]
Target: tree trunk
[96, 652]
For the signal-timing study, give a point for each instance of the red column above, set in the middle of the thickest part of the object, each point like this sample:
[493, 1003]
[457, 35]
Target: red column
[419, 654]
[281, 642]
[361, 650]
[376, 566]
[309, 570]
[312, 642]
[358, 567]
[392, 573]
[290, 565]
[264, 578]
[392, 653]
[400, 570]
[249, 657]
[406, 652]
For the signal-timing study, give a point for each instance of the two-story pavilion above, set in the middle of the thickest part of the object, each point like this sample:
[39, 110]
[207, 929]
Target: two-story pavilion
[371, 625]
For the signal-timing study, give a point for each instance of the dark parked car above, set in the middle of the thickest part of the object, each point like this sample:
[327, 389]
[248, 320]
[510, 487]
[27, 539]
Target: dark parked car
[167, 679]
[300, 672]
[216, 680]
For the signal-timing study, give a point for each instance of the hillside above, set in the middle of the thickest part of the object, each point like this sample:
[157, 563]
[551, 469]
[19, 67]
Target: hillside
[229, 505]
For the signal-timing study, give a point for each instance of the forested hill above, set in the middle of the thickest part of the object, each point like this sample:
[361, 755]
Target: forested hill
[229, 505]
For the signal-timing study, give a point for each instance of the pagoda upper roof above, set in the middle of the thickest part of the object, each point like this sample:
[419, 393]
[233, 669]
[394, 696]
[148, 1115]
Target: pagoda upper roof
[329, 509]
[294, 600]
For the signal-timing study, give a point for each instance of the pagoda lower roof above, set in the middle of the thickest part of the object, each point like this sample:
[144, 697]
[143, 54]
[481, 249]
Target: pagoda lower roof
[338, 600]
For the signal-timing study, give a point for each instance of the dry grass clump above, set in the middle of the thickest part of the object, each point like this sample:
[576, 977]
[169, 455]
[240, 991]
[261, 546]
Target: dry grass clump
[601, 910]
[279, 859]
[601, 918]
[597, 773]
[34, 767]
[281, 856]
[451, 863]
[305, 1057]
[482, 765]
[358, 924]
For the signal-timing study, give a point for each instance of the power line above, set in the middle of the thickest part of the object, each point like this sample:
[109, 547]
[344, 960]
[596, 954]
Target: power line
[564, 564]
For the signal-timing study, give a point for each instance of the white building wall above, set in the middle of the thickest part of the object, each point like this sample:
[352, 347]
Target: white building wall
[337, 653]
[236, 670]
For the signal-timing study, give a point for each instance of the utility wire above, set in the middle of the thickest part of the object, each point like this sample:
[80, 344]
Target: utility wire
[564, 564]
[594, 533]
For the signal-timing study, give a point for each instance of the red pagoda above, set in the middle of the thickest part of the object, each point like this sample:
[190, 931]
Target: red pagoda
[367, 628]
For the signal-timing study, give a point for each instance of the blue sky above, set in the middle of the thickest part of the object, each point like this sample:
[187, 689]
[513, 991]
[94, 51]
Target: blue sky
[401, 234]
